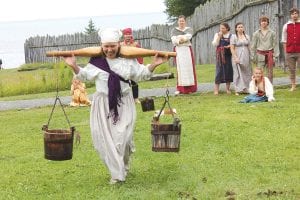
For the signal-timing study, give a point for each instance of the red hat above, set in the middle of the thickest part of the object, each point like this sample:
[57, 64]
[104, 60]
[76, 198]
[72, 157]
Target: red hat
[127, 31]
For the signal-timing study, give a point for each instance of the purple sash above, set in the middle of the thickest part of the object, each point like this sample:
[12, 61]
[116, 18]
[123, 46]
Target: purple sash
[114, 86]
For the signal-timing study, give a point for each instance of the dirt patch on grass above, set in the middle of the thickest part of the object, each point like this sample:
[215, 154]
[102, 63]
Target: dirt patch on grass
[230, 195]
[270, 193]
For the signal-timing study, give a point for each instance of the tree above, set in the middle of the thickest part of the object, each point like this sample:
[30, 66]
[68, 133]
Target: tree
[174, 8]
[90, 28]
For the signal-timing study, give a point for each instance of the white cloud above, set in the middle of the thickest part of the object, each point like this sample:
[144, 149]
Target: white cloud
[16, 10]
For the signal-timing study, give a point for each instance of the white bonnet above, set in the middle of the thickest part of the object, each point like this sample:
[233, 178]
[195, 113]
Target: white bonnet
[110, 35]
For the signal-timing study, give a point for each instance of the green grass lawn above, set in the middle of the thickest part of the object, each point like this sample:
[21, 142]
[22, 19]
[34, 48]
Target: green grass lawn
[248, 150]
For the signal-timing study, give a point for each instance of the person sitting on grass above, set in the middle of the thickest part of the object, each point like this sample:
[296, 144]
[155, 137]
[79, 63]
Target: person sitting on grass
[260, 88]
[79, 94]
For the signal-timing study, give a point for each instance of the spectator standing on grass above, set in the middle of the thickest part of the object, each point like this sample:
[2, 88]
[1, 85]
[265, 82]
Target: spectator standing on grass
[291, 44]
[264, 47]
[240, 50]
[224, 71]
[186, 72]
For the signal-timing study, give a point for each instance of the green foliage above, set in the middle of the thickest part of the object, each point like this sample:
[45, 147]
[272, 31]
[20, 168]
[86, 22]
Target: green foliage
[38, 78]
[163, 68]
[90, 29]
[174, 8]
[44, 78]
[35, 66]
[1, 91]
[82, 61]
[250, 151]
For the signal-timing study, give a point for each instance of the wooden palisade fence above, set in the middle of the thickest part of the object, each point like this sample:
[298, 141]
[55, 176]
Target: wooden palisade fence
[205, 23]
[35, 48]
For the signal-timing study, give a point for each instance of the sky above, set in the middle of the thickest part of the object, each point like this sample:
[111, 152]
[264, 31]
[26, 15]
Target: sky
[20, 10]
[21, 19]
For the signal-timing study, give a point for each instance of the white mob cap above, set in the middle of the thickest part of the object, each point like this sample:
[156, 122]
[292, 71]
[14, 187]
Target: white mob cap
[110, 35]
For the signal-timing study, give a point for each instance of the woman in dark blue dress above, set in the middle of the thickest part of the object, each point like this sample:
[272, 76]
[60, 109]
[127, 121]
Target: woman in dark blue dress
[224, 71]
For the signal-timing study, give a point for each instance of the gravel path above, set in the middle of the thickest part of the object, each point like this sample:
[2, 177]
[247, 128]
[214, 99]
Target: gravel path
[202, 87]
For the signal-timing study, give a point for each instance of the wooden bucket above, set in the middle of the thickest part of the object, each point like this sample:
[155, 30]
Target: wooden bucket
[58, 143]
[165, 137]
[147, 104]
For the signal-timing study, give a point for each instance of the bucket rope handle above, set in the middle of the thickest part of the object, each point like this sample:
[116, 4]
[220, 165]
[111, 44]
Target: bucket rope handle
[164, 105]
[61, 105]
[176, 120]
[54, 105]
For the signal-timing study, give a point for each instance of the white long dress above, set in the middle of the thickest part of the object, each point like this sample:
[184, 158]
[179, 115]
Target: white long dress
[114, 141]
[186, 71]
[242, 72]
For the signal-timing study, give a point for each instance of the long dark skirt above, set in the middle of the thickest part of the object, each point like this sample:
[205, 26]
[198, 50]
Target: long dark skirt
[224, 71]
